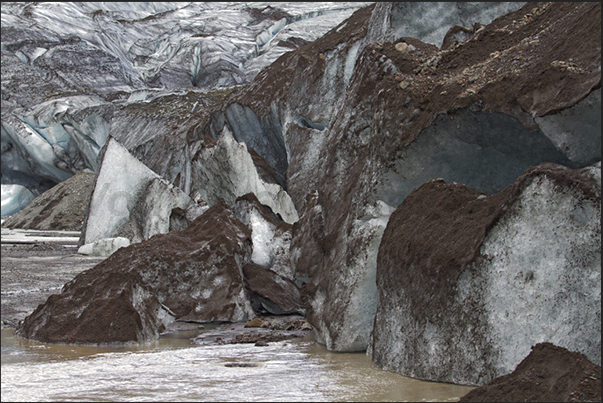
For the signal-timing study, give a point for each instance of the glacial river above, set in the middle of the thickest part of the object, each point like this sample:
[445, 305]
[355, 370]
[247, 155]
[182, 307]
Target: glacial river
[173, 369]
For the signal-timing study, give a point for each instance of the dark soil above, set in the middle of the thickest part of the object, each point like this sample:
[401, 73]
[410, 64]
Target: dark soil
[61, 208]
[548, 374]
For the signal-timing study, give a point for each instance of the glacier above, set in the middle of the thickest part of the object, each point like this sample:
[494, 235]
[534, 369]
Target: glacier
[68, 66]
[317, 150]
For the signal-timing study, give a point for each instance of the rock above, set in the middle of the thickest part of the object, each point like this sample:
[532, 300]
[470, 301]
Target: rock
[180, 219]
[125, 311]
[129, 200]
[61, 208]
[306, 326]
[242, 364]
[401, 47]
[261, 343]
[271, 293]
[474, 281]
[190, 275]
[255, 322]
[548, 374]
[456, 35]
[103, 247]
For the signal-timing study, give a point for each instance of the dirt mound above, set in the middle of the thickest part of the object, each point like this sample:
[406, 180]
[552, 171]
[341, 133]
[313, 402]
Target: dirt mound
[192, 275]
[548, 374]
[61, 208]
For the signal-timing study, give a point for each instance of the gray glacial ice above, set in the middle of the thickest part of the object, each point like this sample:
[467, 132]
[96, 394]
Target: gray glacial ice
[15, 198]
[64, 65]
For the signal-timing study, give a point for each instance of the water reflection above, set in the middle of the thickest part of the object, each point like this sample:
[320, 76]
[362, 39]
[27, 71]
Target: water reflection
[171, 369]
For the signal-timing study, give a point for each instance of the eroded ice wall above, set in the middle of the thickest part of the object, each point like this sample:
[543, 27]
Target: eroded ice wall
[468, 283]
[224, 169]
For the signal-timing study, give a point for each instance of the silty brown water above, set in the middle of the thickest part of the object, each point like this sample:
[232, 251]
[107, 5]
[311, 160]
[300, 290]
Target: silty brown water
[173, 369]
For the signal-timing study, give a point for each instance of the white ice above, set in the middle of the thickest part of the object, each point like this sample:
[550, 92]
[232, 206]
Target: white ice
[14, 199]
[227, 171]
[121, 180]
[262, 235]
[104, 247]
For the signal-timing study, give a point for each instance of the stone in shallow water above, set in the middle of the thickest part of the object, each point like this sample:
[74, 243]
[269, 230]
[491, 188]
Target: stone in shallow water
[255, 322]
[270, 292]
[242, 364]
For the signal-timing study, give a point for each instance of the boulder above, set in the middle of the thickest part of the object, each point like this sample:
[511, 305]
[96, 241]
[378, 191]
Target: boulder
[548, 374]
[191, 275]
[270, 293]
[114, 307]
[255, 322]
[469, 282]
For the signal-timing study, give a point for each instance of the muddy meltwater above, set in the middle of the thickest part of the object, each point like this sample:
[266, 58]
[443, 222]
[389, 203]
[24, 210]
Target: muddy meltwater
[174, 369]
